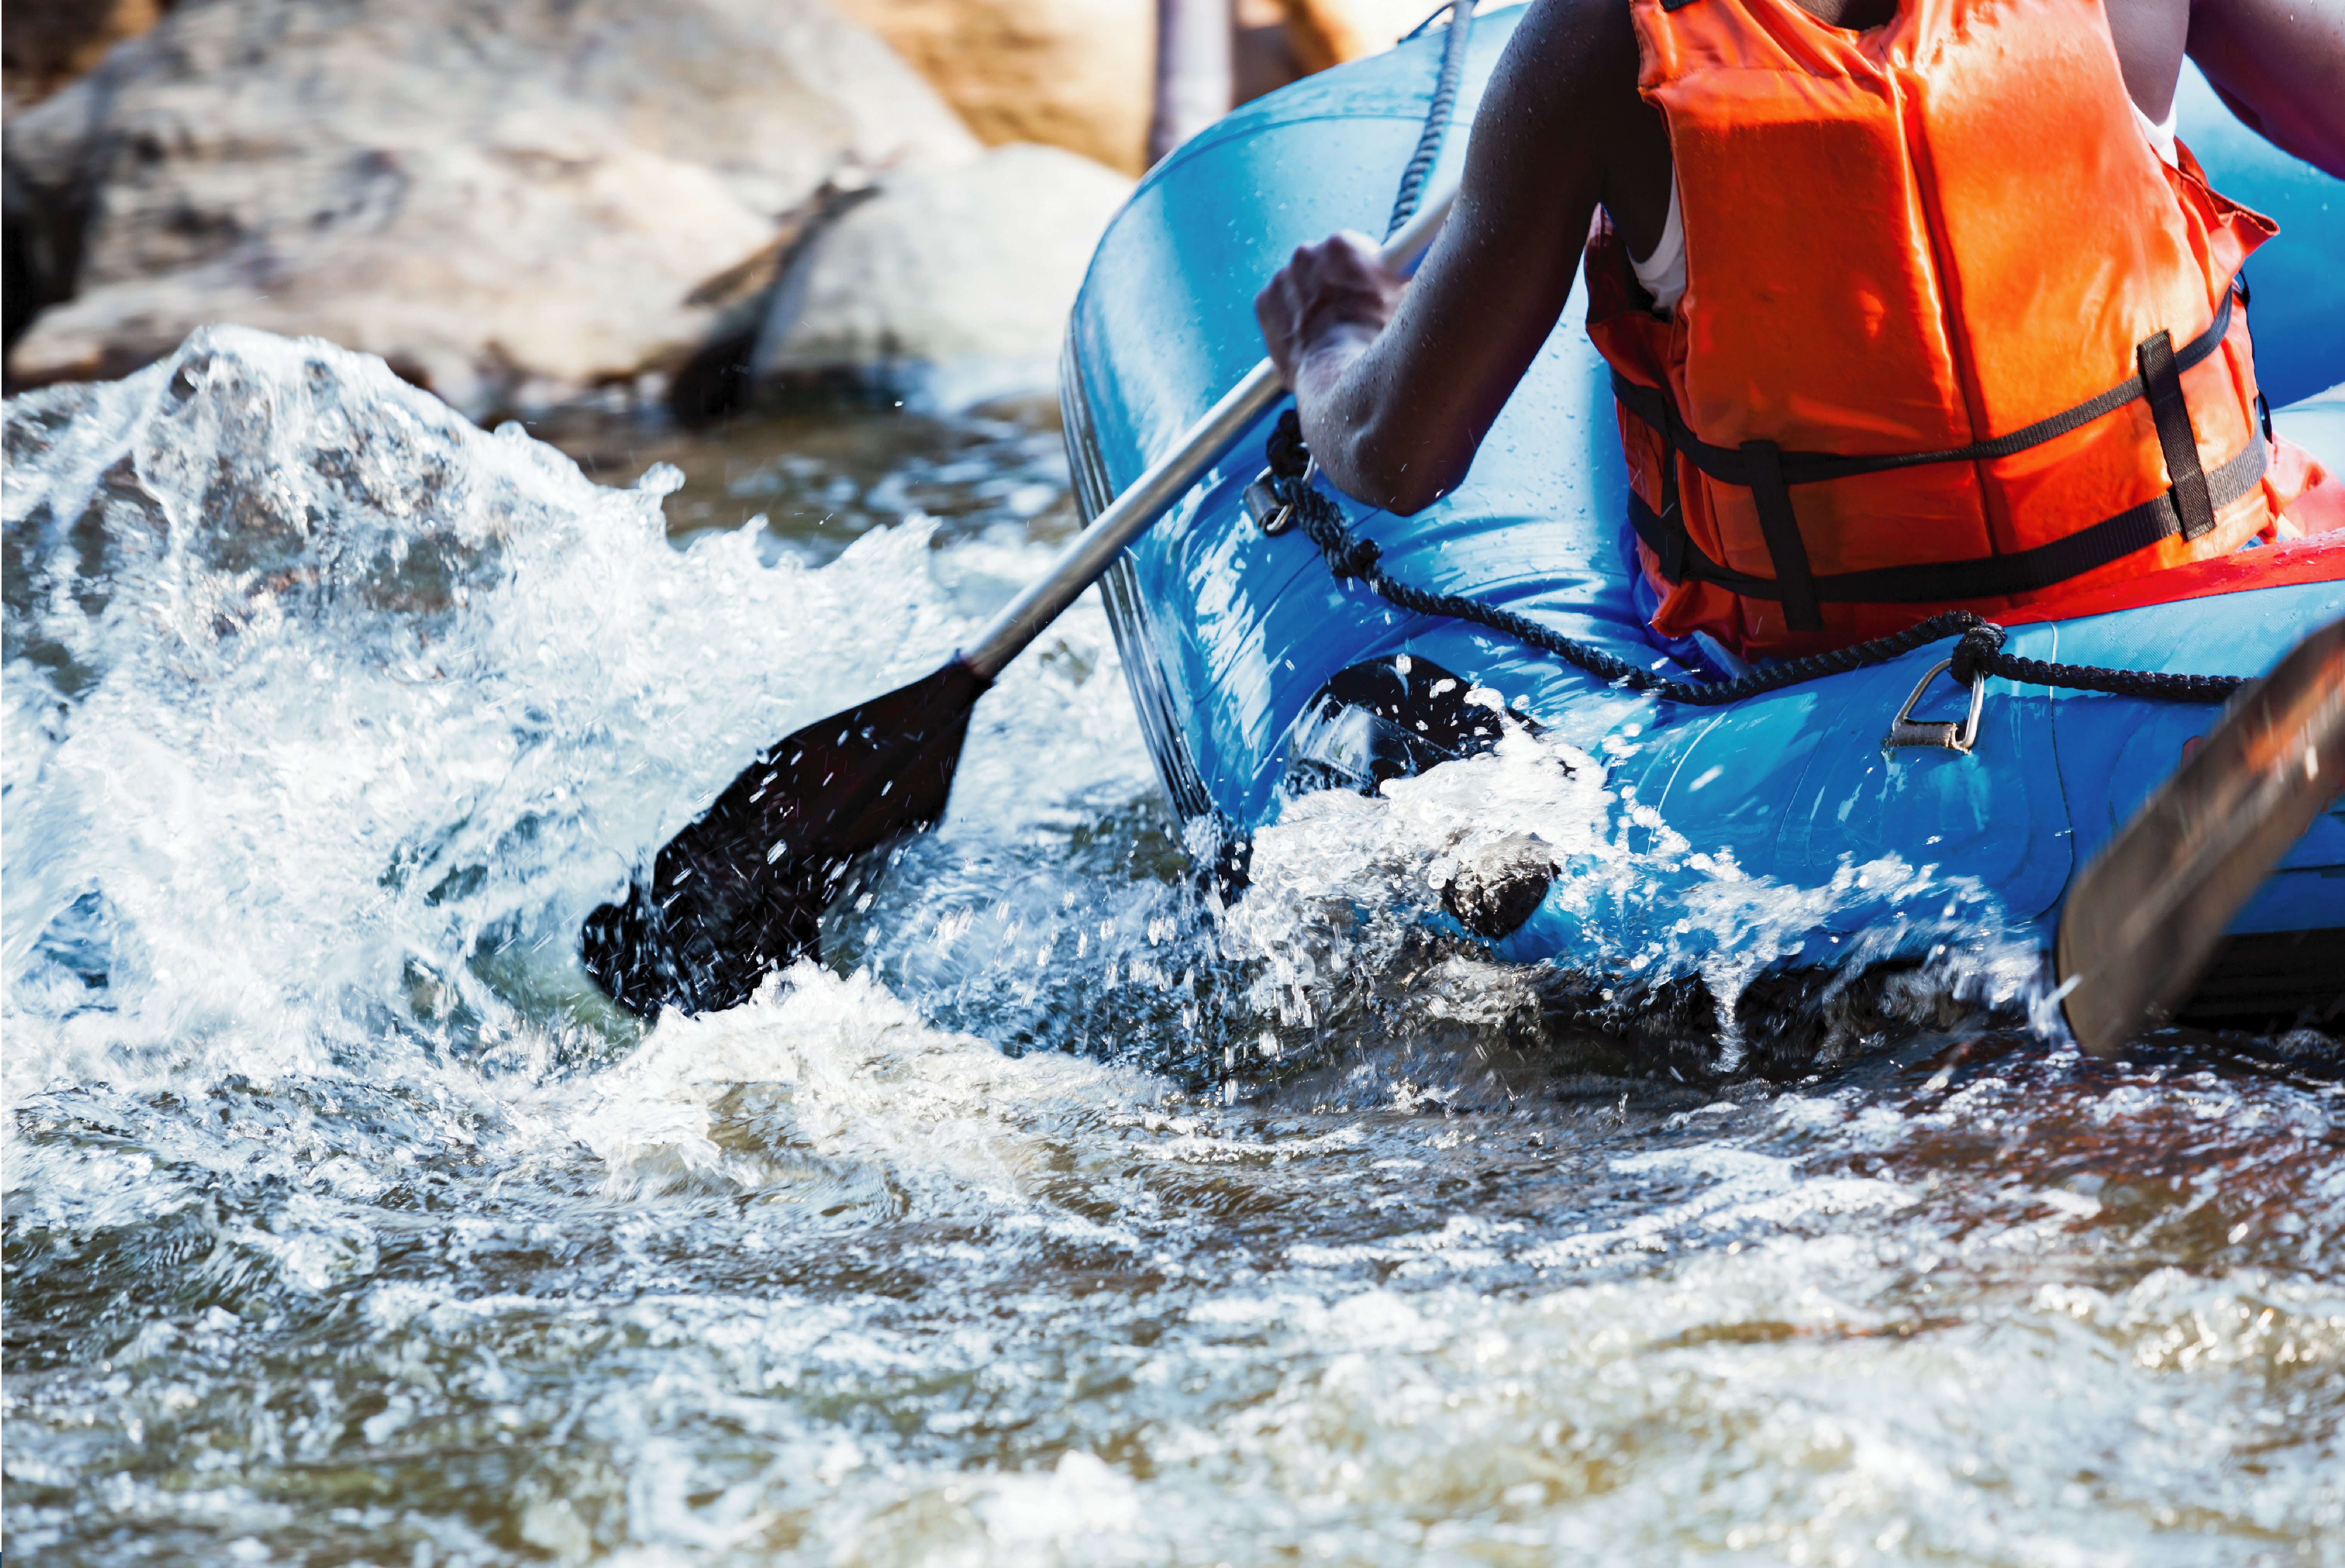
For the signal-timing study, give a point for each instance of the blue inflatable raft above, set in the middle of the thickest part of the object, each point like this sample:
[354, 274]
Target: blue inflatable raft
[1259, 676]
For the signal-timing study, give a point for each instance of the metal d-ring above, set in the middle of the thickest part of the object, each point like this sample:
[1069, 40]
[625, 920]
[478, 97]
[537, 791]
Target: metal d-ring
[1261, 503]
[1905, 730]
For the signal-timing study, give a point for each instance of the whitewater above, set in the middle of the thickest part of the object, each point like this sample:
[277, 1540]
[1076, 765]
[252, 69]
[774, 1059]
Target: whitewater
[1062, 1213]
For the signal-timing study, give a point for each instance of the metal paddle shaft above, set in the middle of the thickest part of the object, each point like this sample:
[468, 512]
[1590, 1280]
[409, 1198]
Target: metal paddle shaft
[2147, 915]
[742, 890]
[1165, 480]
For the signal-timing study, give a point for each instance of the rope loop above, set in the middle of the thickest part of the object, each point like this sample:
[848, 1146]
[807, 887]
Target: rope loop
[1285, 452]
[1975, 650]
[1359, 561]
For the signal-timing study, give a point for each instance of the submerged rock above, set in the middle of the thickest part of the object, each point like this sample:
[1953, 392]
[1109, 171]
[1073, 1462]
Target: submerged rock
[511, 203]
[947, 286]
[1494, 893]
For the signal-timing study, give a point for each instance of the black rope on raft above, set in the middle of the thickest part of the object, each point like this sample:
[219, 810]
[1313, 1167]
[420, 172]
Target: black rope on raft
[1437, 117]
[1978, 649]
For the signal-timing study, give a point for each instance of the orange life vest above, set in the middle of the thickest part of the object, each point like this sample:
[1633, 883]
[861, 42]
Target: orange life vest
[1953, 334]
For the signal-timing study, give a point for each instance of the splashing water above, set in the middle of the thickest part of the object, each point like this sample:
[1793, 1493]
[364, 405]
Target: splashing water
[1065, 1217]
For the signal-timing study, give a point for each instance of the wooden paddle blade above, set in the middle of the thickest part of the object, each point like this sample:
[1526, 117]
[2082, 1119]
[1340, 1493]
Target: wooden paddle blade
[741, 891]
[2144, 918]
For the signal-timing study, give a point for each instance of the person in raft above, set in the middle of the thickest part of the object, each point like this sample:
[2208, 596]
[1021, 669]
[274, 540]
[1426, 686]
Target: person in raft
[1909, 307]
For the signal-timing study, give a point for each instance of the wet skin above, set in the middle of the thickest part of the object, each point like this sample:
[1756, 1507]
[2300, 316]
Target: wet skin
[1397, 384]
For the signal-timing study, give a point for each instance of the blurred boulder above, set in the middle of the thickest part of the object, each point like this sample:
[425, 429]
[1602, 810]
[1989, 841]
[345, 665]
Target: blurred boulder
[1324, 32]
[947, 287]
[45, 44]
[1262, 57]
[512, 201]
[1076, 74]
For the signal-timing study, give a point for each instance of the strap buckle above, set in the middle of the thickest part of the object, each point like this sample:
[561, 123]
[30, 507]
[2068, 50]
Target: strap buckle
[1906, 730]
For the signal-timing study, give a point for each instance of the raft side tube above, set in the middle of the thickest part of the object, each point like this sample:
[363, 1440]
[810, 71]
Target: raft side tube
[1229, 636]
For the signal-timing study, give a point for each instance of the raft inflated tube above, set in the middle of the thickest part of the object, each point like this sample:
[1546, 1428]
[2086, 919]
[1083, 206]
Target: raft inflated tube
[1805, 837]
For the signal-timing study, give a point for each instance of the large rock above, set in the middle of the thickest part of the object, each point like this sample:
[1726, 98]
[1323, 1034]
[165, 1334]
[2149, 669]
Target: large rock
[1324, 32]
[45, 44]
[1076, 74]
[1262, 55]
[511, 201]
[950, 286]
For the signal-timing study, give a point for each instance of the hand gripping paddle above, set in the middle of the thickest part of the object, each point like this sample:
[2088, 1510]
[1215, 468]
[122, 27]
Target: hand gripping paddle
[742, 890]
[2145, 916]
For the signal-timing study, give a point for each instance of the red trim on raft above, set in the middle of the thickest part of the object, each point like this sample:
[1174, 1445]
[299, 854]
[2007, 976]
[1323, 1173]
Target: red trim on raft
[2319, 558]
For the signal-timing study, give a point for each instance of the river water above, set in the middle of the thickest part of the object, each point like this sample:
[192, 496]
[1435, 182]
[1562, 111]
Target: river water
[1063, 1216]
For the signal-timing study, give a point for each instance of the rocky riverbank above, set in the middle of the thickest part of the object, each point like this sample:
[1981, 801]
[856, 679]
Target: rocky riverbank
[698, 203]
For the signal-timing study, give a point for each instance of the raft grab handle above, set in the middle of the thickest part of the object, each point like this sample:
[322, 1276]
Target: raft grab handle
[1906, 730]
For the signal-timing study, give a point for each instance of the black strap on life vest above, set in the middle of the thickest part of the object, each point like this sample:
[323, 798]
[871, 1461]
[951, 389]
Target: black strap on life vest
[2187, 507]
[1781, 527]
[2162, 379]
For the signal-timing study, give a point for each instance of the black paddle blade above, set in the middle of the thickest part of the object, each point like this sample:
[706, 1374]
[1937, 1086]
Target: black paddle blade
[741, 891]
[2144, 918]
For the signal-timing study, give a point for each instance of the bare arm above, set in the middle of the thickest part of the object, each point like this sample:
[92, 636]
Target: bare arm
[1398, 384]
[1393, 413]
[2280, 67]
